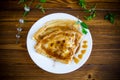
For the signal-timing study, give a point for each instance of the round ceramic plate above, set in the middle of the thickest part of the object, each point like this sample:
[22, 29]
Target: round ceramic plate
[48, 64]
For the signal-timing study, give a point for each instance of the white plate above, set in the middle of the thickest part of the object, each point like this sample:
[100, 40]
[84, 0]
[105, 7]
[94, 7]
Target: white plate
[48, 64]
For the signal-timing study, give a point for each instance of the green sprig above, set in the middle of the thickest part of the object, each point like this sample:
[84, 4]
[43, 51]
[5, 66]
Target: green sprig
[84, 31]
[92, 13]
[110, 17]
[41, 8]
[82, 3]
[25, 12]
[43, 1]
[84, 26]
[21, 1]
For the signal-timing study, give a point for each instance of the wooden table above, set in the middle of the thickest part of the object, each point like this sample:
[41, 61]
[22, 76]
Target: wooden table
[104, 62]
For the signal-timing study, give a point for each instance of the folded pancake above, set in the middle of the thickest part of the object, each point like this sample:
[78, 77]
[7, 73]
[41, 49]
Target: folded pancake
[58, 39]
[53, 26]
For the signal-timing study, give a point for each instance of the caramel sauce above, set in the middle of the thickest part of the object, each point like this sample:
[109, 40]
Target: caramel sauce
[80, 56]
[76, 60]
[85, 42]
[83, 51]
[84, 46]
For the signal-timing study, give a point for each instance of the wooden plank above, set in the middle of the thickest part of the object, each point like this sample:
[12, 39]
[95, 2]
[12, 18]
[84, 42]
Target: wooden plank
[64, 4]
[36, 14]
[96, 72]
[21, 57]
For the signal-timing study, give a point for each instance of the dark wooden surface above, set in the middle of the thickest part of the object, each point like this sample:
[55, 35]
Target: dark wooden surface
[103, 64]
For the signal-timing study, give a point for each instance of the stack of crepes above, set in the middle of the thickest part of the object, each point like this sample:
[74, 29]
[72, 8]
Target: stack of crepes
[58, 40]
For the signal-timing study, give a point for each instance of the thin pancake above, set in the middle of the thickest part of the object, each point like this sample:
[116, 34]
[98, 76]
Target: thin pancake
[58, 39]
[60, 46]
[52, 26]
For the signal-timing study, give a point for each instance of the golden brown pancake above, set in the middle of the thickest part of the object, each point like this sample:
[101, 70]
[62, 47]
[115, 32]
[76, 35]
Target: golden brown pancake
[52, 26]
[58, 39]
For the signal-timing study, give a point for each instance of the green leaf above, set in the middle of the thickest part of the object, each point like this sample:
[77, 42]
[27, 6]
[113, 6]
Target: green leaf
[86, 10]
[93, 7]
[110, 17]
[94, 14]
[84, 25]
[88, 17]
[112, 20]
[91, 16]
[42, 9]
[25, 13]
[84, 31]
[38, 6]
[82, 3]
[25, 6]
[21, 1]
[43, 1]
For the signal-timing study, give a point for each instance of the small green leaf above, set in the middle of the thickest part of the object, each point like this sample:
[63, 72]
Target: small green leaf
[25, 5]
[94, 14]
[110, 17]
[37, 6]
[21, 1]
[88, 17]
[93, 7]
[82, 3]
[84, 25]
[25, 13]
[112, 20]
[86, 10]
[84, 31]
[91, 16]
[42, 9]
[43, 1]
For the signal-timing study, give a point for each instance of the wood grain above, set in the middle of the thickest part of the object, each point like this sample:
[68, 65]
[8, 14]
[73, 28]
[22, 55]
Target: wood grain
[65, 4]
[104, 62]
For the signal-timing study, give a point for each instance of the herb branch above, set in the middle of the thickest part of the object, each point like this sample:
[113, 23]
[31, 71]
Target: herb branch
[41, 8]
[27, 7]
[91, 11]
